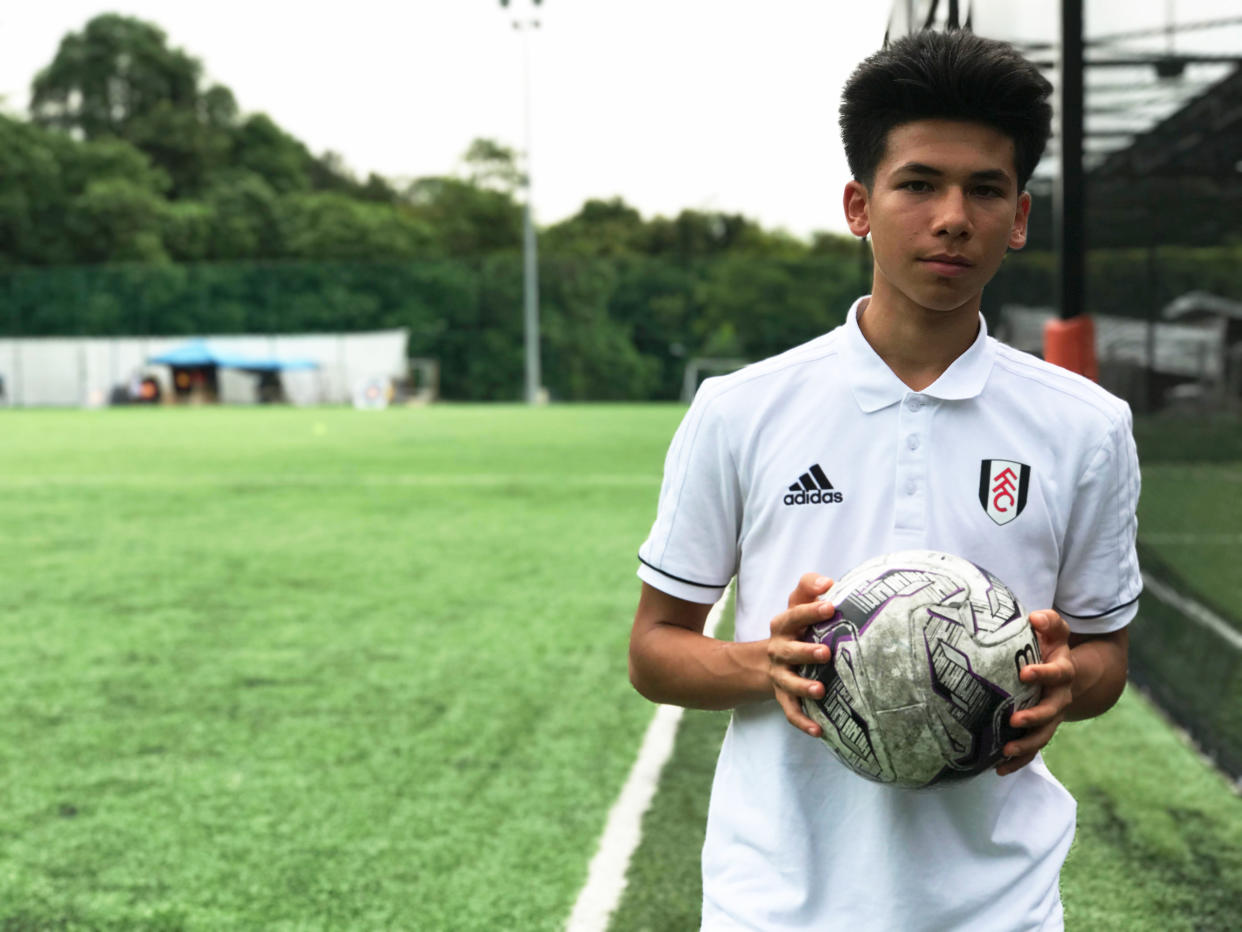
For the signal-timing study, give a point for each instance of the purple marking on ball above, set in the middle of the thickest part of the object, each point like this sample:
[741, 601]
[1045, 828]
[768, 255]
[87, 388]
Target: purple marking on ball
[995, 585]
[859, 597]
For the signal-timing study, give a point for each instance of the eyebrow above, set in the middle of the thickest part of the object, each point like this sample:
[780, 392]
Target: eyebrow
[918, 168]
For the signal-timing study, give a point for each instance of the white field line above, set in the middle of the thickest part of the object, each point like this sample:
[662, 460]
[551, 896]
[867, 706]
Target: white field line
[606, 875]
[1194, 611]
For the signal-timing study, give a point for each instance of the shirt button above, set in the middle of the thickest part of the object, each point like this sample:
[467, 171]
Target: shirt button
[913, 441]
[914, 402]
[911, 488]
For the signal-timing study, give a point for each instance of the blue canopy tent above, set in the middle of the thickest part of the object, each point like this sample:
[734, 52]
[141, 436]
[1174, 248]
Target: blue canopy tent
[195, 366]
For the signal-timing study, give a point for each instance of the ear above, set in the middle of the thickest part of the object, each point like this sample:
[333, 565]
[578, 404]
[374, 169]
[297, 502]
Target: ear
[1017, 235]
[857, 215]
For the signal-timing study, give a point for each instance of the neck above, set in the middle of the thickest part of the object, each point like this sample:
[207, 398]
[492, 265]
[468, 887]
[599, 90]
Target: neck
[916, 342]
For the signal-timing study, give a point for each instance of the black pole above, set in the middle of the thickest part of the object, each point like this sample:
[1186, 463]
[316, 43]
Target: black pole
[1070, 191]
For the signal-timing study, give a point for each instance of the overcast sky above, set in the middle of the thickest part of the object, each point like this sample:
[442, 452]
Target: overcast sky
[715, 104]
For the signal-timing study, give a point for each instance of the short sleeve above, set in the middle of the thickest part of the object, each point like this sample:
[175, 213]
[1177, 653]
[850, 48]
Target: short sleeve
[692, 550]
[1099, 581]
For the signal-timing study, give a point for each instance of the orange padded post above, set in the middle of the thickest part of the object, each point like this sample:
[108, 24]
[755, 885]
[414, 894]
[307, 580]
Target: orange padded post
[1071, 345]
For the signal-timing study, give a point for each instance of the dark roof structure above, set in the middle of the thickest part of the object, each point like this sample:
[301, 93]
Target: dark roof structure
[1202, 139]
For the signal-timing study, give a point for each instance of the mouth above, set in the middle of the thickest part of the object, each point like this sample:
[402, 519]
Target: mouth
[947, 264]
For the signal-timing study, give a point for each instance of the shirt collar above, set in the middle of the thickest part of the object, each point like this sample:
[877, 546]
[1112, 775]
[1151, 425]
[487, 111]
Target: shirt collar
[875, 386]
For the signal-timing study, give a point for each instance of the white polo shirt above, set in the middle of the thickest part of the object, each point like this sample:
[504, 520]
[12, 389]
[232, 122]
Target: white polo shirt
[816, 460]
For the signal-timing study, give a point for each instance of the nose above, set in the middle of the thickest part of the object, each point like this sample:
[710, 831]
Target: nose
[952, 217]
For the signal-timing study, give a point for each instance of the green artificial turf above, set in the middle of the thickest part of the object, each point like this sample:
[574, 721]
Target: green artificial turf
[1158, 849]
[1159, 843]
[1190, 524]
[664, 887]
[316, 669]
[1190, 532]
[324, 669]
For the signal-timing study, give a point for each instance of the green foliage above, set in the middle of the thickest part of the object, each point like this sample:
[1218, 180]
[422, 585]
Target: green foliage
[468, 220]
[601, 228]
[129, 159]
[327, 226]
[246, 222]
[263, 148]
[588, 353]
[116, 72]
[757, 307]
[492, 165]
[115, 220]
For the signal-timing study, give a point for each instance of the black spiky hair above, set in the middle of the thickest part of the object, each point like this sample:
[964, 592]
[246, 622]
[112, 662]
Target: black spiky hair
[945, 75]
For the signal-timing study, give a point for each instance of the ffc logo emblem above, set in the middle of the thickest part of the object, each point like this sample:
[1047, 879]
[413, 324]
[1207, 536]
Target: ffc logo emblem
[1003, 486]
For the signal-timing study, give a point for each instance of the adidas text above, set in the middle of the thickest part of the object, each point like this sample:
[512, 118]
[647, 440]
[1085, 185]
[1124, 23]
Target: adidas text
[804, 497]
[812, 488]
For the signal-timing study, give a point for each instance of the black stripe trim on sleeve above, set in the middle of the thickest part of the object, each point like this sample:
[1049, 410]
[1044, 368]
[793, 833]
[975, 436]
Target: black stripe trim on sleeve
[1115, 608]
[688, 582]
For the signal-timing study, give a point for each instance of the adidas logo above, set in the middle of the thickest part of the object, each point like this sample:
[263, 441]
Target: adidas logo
[813, 488]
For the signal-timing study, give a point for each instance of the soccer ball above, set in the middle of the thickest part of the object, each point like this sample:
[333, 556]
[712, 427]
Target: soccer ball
[926, 650]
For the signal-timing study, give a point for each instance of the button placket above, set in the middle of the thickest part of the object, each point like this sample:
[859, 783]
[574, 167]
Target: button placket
[910, 508]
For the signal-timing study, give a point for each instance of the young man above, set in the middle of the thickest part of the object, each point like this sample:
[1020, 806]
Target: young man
[901, 411]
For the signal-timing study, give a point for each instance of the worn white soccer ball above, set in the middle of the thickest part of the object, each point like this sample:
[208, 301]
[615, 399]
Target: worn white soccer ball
[926, 651]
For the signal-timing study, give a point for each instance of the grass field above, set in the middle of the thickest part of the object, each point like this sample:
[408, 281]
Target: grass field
[1190, 515]
[315, 669]
[322, 669]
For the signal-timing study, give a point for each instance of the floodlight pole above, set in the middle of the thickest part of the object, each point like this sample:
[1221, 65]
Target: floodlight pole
[530, 250]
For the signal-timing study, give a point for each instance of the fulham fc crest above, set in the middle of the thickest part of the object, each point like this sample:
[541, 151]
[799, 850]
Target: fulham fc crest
[1002, 489]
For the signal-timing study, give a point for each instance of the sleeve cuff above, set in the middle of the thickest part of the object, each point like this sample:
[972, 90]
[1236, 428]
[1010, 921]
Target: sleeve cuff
[1103, 623]
[678, 587]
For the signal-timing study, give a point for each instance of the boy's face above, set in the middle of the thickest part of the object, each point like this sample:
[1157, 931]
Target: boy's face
[942, 210]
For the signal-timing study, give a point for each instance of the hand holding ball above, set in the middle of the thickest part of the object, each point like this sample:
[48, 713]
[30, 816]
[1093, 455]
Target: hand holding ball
[923, 677]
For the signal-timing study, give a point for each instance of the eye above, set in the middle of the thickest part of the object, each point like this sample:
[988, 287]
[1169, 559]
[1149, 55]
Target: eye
[989, 191]
[915, 186]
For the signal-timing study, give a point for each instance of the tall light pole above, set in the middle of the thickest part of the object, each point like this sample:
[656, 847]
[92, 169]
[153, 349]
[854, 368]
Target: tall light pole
[530, 254]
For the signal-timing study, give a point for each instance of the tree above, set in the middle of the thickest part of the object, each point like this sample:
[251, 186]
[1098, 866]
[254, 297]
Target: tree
[245, 214]
[63, 201]
[468, 220]
[599, 228]
[33, 196]
[262, 147]
[116, 71]
[327, 225]
[118, 220]
[494, 166]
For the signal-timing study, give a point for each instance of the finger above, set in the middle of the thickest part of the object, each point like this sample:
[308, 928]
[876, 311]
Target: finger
[810, 587]
[1031, 743]
[1058, 673]
[786, 679]
[1006, 767]
[795, 653]
[1049, 624]
[793, 712]
[1039, 715]
[791, 623]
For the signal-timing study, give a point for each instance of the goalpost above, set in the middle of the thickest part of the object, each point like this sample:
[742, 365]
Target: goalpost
[424, 380]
